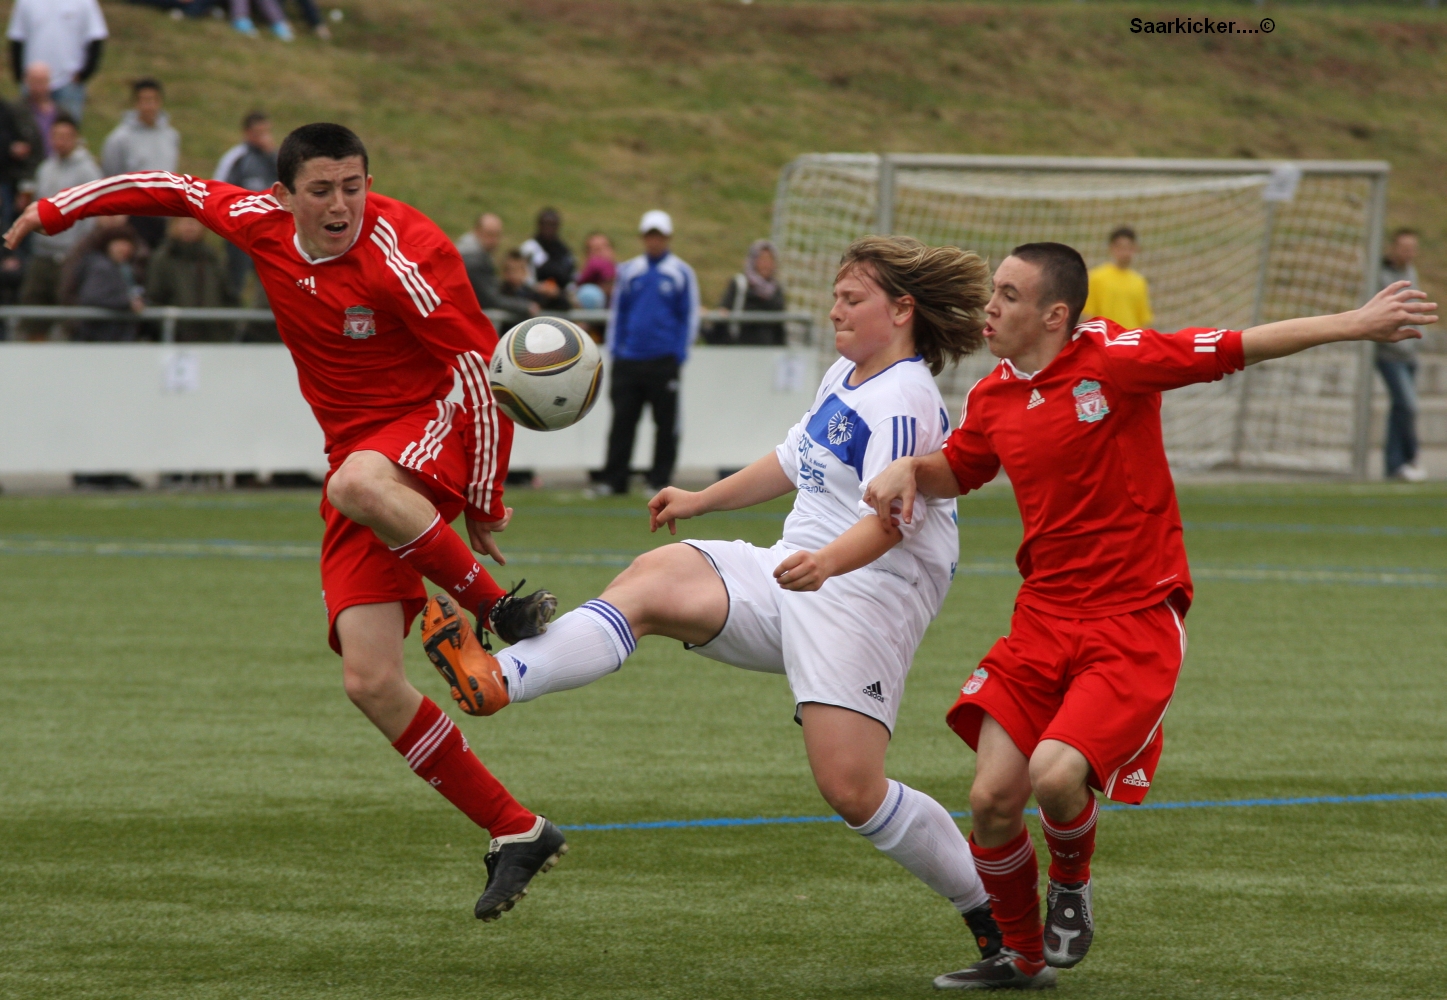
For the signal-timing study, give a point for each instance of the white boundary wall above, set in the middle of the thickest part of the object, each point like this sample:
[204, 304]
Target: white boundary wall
[236, 407]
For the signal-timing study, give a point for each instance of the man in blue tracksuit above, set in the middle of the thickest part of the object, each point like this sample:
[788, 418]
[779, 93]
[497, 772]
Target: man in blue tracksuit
[654, 319]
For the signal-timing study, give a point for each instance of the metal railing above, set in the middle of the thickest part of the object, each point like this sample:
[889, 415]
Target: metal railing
[169, 316]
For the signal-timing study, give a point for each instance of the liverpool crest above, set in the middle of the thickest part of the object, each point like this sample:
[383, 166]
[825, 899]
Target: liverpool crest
[360, 323]
[1090, 404]
[977, 680]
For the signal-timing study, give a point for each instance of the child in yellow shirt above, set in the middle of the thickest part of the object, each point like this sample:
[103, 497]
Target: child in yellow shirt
[1116, 291]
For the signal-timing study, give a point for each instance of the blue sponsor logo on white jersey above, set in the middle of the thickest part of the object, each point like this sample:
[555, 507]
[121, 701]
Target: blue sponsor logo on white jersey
[839, 428]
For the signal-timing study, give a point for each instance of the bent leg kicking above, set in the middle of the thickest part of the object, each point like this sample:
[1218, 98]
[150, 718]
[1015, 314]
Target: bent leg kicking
[671, 591]
[372, 490]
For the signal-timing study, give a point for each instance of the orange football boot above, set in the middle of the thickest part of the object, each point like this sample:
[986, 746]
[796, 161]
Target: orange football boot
[471, 671]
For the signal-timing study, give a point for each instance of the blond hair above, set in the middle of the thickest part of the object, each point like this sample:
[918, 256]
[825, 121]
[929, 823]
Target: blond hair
[949, 286]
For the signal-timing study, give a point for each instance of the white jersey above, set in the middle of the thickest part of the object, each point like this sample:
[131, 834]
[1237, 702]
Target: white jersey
[846, 439]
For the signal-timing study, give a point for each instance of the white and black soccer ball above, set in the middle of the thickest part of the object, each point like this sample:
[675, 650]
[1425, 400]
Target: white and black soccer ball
[545, 373]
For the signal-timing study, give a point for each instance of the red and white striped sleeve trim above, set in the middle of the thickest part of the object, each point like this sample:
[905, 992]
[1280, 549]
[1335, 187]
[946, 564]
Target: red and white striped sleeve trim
[473, 368]
[77, 197]
[258, 204]
[424, 297]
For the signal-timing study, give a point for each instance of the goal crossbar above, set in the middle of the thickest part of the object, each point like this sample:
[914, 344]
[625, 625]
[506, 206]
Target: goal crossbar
[1223, 242]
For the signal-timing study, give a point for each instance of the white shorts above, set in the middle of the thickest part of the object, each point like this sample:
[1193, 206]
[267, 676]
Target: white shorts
[850, 643]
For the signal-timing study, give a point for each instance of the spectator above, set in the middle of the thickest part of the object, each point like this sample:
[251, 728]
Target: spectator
[1398, 365]
[477, 246]
[69, 164]
[179, 8]
[144, 140]
[755, 290]
[271, 13]
[655, 318]
[67, 36]
[250, 164]
[70, 271]
[185, 271]
[515, 286]
[313, 18]
[35, 112]
[601, 265]
[1116, 291]
[550, 262]
[108, 281]
[19, 155]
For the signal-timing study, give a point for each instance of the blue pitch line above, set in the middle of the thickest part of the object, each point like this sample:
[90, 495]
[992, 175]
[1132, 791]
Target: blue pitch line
[1306, 800]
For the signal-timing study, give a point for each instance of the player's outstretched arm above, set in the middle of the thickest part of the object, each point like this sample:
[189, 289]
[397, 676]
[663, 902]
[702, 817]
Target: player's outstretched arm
[29, 222]
[857, 547]
[893, 491]
[1387, 318]
[761, 481]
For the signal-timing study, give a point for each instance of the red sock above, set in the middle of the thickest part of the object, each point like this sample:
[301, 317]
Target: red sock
[1071, 844]
[444, 558]
[1012, 878]
[439, 754]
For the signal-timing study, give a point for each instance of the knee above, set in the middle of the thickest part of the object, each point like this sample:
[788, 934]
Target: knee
[369, 684]
[648, 567]
[993, 805]
[1056, 782]
[854, 800]
[354, 488]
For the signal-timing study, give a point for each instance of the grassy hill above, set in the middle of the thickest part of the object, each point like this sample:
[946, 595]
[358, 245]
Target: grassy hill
[607, 107]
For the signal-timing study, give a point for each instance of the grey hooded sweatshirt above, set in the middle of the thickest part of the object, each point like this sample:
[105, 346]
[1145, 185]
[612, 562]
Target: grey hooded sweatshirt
[134, 146]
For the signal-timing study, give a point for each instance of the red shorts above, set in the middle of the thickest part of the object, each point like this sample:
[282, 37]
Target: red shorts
[357, 566]
[1101, 685]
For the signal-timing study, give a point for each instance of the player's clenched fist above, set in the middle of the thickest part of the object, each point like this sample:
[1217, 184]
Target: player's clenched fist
[892, 492]
[802, 570]
[672, 504]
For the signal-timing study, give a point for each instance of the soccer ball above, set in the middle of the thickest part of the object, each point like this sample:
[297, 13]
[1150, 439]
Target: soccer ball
[545, 373]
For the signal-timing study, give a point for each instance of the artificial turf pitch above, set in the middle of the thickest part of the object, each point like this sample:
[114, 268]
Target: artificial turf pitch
[189, 807]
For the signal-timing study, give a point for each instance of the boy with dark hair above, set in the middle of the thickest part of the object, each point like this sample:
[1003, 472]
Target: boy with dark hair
[1074, 697]
[373, 302]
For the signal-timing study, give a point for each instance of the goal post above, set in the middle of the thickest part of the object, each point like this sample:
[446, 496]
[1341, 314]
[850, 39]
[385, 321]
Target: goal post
[1228, 243]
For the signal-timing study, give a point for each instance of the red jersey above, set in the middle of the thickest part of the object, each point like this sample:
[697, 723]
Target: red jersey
[376, 331]
[1081, 442]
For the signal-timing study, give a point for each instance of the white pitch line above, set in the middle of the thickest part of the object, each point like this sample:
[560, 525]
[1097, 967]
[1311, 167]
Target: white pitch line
[22, 545]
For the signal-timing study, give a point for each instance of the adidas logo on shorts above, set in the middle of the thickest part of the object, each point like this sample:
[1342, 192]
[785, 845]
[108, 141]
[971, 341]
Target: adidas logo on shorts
[1137, 778]
[874, 691]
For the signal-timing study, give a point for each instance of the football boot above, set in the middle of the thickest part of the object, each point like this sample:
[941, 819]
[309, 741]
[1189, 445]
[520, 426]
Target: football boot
[512, 862]
[981, 922]
[471, 672]
[515, 618]
[1007, 970]
[1069, 923]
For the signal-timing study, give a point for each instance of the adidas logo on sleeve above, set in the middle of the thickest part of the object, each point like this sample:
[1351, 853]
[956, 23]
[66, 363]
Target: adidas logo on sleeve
[875, 691]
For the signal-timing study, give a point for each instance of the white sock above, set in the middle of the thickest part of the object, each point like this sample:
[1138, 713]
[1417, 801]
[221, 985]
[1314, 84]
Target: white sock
[916, 831]
[580, 647]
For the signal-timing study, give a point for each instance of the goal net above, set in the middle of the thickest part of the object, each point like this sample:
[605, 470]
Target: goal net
[1225, 243]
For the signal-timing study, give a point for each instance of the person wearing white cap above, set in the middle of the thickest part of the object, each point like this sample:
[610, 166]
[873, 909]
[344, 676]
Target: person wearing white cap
[654, 318]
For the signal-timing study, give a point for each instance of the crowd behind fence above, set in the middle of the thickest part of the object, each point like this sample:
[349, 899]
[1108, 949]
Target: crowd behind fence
[799, 324]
